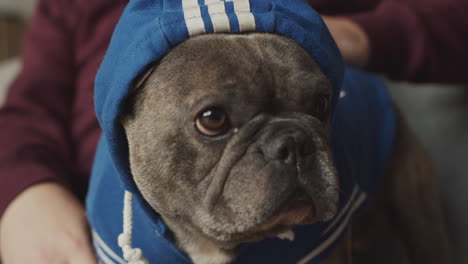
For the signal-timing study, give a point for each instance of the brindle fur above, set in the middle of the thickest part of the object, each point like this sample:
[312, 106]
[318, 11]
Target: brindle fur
[215, 193]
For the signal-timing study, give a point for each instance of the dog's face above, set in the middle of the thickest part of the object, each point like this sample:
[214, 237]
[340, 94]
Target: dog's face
[228, 137]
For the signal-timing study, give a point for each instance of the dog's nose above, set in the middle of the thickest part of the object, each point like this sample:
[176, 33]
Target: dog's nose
[287, 148]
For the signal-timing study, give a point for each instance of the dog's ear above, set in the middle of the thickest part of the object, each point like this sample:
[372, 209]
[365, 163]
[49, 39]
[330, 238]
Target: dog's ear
[143, 77]
[128, 113]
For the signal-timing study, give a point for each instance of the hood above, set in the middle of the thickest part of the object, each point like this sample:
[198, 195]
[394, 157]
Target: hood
[149, 29]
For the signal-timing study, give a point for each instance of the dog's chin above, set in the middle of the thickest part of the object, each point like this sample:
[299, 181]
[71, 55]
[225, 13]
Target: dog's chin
[294, 212]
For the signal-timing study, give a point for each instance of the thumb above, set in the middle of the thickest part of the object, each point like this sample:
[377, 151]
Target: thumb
[351, 39]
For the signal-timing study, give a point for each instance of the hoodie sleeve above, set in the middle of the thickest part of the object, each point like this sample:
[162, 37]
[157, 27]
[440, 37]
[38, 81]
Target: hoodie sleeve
[418, 40]
[34, 120]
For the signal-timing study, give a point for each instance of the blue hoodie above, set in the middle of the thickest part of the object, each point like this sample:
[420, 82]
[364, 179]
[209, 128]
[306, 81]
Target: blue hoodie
[126, 229]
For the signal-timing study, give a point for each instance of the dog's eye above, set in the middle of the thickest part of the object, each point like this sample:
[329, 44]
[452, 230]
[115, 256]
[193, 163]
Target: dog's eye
[212, 122]
[321, 106]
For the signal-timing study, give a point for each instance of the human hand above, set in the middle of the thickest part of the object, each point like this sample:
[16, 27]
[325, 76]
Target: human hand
[351, 39]
[45, 224]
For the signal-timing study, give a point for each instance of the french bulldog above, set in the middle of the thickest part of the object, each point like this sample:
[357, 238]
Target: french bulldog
[229, 142]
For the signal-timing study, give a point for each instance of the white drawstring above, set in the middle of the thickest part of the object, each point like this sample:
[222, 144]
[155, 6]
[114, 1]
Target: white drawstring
[132, 255]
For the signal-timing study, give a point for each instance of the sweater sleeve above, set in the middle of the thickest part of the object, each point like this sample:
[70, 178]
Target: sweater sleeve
[34, 121]
[418, 40]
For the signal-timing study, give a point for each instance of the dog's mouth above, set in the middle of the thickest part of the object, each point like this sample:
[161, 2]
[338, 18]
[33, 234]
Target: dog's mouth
[283, 200]
[297, 210]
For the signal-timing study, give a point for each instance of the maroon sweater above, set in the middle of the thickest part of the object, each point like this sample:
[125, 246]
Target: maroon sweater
[48, 129]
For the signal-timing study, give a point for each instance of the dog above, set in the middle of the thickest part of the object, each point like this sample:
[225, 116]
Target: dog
[232, 133]
[242, 134]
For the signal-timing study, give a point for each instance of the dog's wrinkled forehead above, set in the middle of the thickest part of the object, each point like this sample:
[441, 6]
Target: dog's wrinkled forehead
[234, 65]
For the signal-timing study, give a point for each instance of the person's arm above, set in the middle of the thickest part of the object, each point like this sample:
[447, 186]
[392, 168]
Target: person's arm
[45, 224]
[34, 120]
[40, 219]
[417, 40]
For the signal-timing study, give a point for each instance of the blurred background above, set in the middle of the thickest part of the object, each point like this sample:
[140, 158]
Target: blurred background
[438, 114]
[13, 18]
